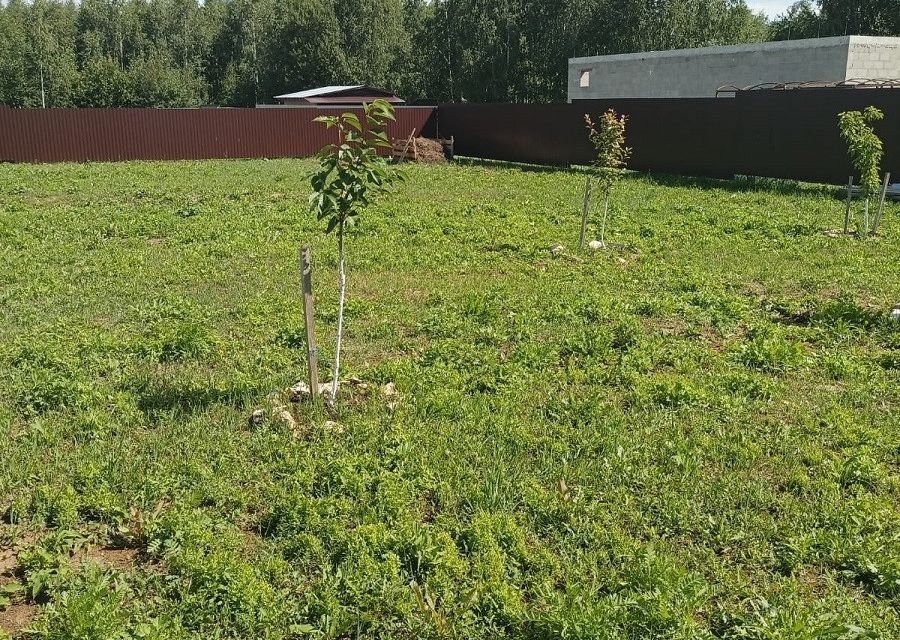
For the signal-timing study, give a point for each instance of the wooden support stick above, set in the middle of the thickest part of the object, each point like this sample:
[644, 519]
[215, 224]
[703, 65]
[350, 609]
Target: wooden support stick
[887, 182]
[849, 203]
[409, 141]
[584, 211]
[312, 354]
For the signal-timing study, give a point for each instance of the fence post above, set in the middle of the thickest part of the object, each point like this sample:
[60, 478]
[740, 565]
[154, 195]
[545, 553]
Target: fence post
[849, 203]
[887, 181]
[584, 211]
[311, 352]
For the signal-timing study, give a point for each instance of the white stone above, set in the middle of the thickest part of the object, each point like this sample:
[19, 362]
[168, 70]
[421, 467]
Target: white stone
[299, 392]
[257, 417]
[596, 245]
[282, 414]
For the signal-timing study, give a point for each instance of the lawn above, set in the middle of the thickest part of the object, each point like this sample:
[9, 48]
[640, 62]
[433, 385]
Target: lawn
[693, 435]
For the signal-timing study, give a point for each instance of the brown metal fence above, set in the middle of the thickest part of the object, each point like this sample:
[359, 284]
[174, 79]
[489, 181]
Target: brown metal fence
[778, 134]
[794, 134]
[78, 135]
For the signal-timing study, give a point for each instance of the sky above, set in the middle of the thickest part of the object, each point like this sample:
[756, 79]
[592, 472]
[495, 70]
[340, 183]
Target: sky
[770, 7]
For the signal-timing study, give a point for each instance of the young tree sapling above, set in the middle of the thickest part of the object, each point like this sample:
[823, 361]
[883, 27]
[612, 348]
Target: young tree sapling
[865, 150]
[350, 174]
[608, 138]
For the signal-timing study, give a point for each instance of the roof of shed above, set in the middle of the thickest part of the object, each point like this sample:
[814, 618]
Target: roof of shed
[333, 92]
[320, 91]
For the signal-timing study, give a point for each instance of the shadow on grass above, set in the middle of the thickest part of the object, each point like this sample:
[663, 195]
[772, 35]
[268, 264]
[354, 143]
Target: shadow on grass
[736, 184]
[466, 161]
[835, 313]
[157, 397]
[744, 184]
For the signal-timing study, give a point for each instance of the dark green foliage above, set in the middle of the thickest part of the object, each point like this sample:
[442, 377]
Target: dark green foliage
[824, 18]
[243, 52]
[863, 146]
[352, 173]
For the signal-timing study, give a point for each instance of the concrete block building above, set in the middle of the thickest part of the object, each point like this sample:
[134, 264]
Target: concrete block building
[697, 73]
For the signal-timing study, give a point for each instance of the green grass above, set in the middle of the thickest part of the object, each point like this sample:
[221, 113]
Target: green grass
[695, 436]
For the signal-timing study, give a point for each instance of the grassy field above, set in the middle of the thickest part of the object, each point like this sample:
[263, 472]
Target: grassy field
[696, 435]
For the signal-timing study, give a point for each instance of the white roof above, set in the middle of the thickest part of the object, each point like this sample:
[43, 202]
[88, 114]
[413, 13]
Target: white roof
[321, 91]
[753, 47]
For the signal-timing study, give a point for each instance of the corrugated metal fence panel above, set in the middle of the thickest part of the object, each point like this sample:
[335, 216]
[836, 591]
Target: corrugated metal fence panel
[673, 135]
[794, 134]
[779, 134]
[77, 135]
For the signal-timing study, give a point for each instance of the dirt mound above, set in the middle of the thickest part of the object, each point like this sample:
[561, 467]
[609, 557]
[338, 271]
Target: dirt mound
[430, 151]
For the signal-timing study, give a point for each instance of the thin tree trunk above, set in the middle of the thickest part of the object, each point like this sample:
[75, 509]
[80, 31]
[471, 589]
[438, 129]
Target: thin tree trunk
[605, 214]
[43, 95]
[342, 285]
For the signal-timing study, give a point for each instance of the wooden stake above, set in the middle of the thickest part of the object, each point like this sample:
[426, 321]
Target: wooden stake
[887, 181]
[584, 211]
[312, 354]
[849, 203]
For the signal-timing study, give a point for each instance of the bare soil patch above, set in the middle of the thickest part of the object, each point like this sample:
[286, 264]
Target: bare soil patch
[118, 559]
[17, 617]
[7, 563]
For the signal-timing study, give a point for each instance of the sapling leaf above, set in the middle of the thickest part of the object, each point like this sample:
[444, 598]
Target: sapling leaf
[353, 121]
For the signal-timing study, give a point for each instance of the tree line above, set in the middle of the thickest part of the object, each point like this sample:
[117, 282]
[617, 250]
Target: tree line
[181, 53]
[823, 18]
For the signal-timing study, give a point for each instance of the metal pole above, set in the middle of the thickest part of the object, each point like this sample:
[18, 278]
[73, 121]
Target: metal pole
[887, 181]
